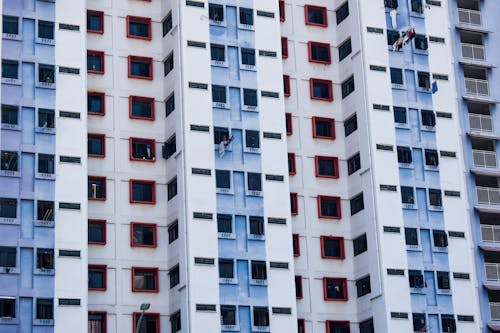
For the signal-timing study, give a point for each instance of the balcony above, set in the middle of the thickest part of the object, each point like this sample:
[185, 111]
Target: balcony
[495, 311]
[480, 122]
[477, 87]
[469, 17]
[488, 195]
[492, 272]
[484, 158]
[490, 233]
[473, 52]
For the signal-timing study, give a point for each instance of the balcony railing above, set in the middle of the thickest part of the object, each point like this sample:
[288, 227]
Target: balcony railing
[477, 87]
[490, 233]
[484, 158]
[469, 16]
[492, 271]
[495, 311]
[473, 51]
[481, 122]
[488, 195]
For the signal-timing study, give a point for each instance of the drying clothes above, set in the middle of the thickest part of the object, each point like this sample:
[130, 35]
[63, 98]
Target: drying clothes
[434, 87]
[410, 34]
[394, 15]
[223, 144]
[398, 44]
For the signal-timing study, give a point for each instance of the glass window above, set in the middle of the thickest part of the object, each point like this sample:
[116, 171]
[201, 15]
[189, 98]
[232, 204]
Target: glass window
[95, 103]
[216, 12]
[260, 316]
[256, 225]
[345, 49]
[342, 12]
[45, 258]
[96, 232]
[170, 105]
[404, 155]
[95, 21]
[97, 277]
[431, 157]
[10, 69]
[141, 67]
[448, 323]
[246, 16]
[416, 6]
[9, 115]
[10, 25]
[411, 236]
[250, 97]
[173, 232]
[96, 188]
[424, 80]
[353, 164]
[363, 286]
[174, 276]
[9, 160]
[254, 181]
[46, 29]
[145, 279]
[228, 314]
[350, 125]
[142, 107]
[326, 166]
[407, 195]
[319, 52]
[139, 27]
[332, 247]
[220, 134]
[95, 62]
[223, 179]
[226, 268]
[217, 52]
[248, 57]
[258, 270]
[321, 89]
[252, 139]
[224, 223]
[219, 94]
[348, 87]
[45, 210]
[45, 118]
[399, 115]
[149, 323]
[46, 73]
[335, 289]
[443, 279]
[329, 207]
[46, 163]
[7, 308]
[397, 76]
[44, 308]
[169, 147]
[419, 324]
[416, 279]
[8, 256]
[421, 42]
[143, 149]
[96, 322]
[440, 238]
[175, 323]
[391, 4]
[167, 23]
[324, 128]
[316, 15]
[143, 234]
[360, 244]
[435, 197]
[428, 118]
[142, 192]
[168, 64]
[357, 204]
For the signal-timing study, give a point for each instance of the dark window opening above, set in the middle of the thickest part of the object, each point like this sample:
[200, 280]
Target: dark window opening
[145, 279]
[348, 87]
[9, 160]
[226, 270]
[143, 149]
[224, 223]
[404, 155]
[400, 115]
[363, 286]
[357, 204]
[407, 196]
[8, 256]
[45, 258]
[46, 164]
[250, 97]
[216, 12]
[246, 16]
[260, 316]
[256, 225]
[360, 244]
[143, 234]
[254, 181]
[335, 289]
[46, 73]
[411, 236]
[45, 210]
[440, 238]
[416, 279]
[342, 12]
[248, 57]
[44, 308]
[10, 69]
[45, 118]
[96, 188]
[353, 164]
[46, 29]
[258, 270]
[223, 179]
[217, 52]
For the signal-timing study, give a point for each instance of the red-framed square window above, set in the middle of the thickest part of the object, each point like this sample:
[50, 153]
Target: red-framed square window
[96, 103]
[329, 207]
[321, 90]
[140, 68]
[323, 128]
[96, 145]
[139, 27]
[142, 191]
[334, 326]
[288, 123]
[150, 321]
[282, 10]
[95, 62]
[143, 234]
[294, 203]
[97, 188]
[97, 322]
[141, 149]
[142, 108]
[335, 289]
[326, 166]
[316, 15]
[298, 287]
[296, 245]
[96, 232]
[286, 85]
[332, 247]
[319, 53]
[95, 22]
[292, 170]
[301, 323]
[97, 277]
[284, 47]
[145, 279]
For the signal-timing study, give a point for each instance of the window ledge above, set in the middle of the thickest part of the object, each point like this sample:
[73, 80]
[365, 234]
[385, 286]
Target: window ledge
[226, 235]
[228, 281]
[46, 130]
[250, 108]
[43, 322]
[424, 90]
[261, 329]
[413, 248]
[257, 237]
[420, 51]
[44, 271]
[245, 67]
[417, 14]
[45, 85]
[220, 190]
[258, 282]
[219, 105]
[443, 291]
[218, 23]
[429, 128]
[43, 223]
[431, 167]
[406, 165]
[13, 127]
[409, 206]
[8, 173]
[8, 220]
[230, 327]
[417, 290]
[10, 270]
[402, 125]
[219, 63]
[46, 41]
[246, 26]
[252, 150]
[398, 86]
[16, 82]
[254, 193]
[11, 36]
[435, 208]
[440, 249]
[9, 321]
[40, 175]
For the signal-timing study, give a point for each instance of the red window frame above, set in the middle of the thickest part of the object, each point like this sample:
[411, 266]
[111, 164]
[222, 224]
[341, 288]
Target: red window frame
[146, 20]
[103, 223]
[312, 81]
[152, 314]
[104, 268]
[144, 59]
[309, 51]
[157, 284]
[153, 189]
[101, 16]
[105, 190]
[151, 101]
[301, 323]
[105, 317]
[344, 286]
[294, 203]
[288, 123]
[335, 166]
[153, 149]
[286, 85]
[296, 245]
[282, 10]
[337, 321]
[342, 248]
[298, 281]
[103, 144]
[155, 234]
[102, 59]
[293, 169]
[284, 47]
[102, 96]
[337, 199]
[332, 125]
[323, 10]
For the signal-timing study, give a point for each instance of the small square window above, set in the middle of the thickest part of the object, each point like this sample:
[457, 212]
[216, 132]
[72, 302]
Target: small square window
[319, 52]
[350, 125]
[224, 223]
[335, 326]
[250, 97]
[254, 181]
[393, 4]
[150, 322]
[332, 247]
[294, 204]
[248, 57]
[96, 232]
[142, 191]
[175, 323]
[404, 155]
[96, 145]
[392, 37]
[292, 169]
[357, 204]
[46, 118]
[96, 104]
[220, 134]
[167, 24]
[363, 286]
[140, 68]
[95, 62]
[10, 25]
[45, 308]
[329, 207]
[8, 256]
[348, 87]
[168, 64]
[8, 208]
[139, 27]
[169, 148]
[252, 139]
[9, 160]
[7, 308]
[170, 105]
[448, 323]
[219, 94]
[174, 276]
[316, 15]
[223, 179]
[172, 189]
[431, 157]
[407, 196]
[342, 12]
[216, 12]
[424, 80]
[443, 279]
[9, 115]
[416, 279]
[45, 210]
[284, 47]
[296, 245]
[323, 128]
[142, 149]
[435, 198]
[397, 76]
[428, 118]
[145, 279]
[440, 238]
[97, 188]
[353, 164]
[10, 69]
[360, 244]
[46, 73]
[98, 322]
[334, 289]
[288, 123]
[143, 234]
[326, 166]
[173, 232]
[321, 90]
[419, 324]
[345, 49]
[97, 277]
[226, 268]
[142, 108]
[260, 317]
[95, 22]
[228, 315]
[45, 30]
[416, 6]
[286, 85]
[246, 16]
[256, 225]
[298, 287]
[44, 258]
[400, 115]
[411, 236]
[282, 10]
[217, 53]
[421, 42]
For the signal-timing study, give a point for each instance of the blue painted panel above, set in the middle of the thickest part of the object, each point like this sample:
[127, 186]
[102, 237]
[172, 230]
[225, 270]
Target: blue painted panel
[27, 167]
[28, 121]
[9, 234]
[234, 63]
[26, 314]
[28, 80]
[27, 262]
[28, 36]
[29, 5]
[245, 319]
[27, 216]
[430, 288]
[425, 239]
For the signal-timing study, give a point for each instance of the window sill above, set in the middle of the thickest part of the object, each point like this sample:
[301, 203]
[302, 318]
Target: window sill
[95, 72]
[440, 249]
[398, 86]
[413, 248]
[50, 176]
[10, 270]
[431, 168]
[435, 208]
[43, 322]
[220, 190]
[228, 281]
[218, 105]
[258, 282]
[257, 237]
[45, 41]
[43, 223]
[420, 51]
[251, 150]
[218, 63]
[8, 220]
[136, 159]
[218, 23]
[9, 321]
[246, 26]
[230, 327]
[424, 90]
[8, 173]
[44, 271]
[429, 128]
[245, 67]
[226, 235]
[252, 108]
[417, 14]
[12, 127]
[254, 193]
[443, 291]
[46, 130]
[402, 125]
[261, 329]
[414, 290]
[11, 36]
[45, 85]
[16, 82]
[406, 165]
[409, 206]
